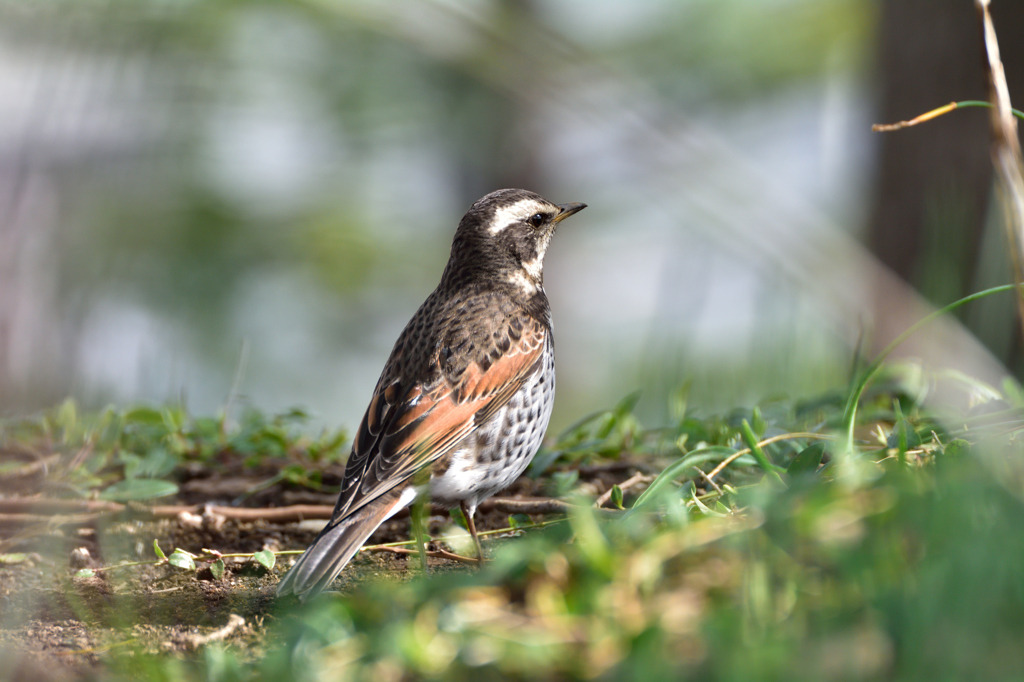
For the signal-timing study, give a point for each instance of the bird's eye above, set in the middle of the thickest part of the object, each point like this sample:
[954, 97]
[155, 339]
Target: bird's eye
[537, 219]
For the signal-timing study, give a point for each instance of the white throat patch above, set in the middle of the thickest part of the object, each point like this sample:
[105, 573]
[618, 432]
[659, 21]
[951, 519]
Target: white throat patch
[527, 284]
[516, 213]
[528, 278]
[533, 268]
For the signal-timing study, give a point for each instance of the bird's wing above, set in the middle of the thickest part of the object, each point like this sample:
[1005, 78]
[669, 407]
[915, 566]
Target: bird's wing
[407, 427]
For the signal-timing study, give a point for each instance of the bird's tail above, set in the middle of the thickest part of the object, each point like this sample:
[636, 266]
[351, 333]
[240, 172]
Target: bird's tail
[335, 546]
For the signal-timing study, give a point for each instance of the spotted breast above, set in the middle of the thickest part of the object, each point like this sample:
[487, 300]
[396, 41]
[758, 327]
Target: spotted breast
[493, 457]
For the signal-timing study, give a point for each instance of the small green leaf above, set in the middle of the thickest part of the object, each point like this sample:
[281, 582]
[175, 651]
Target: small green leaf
[807, 461]
[562, 483]
[144, 415]
[458, 517]
[579, 430]
[903, 436]
[130, 461]
[14, 558]
[294, 414]
[617, 497]
[627, 405]
[173, 418]
[678, 401]
[520, 521]
[159, 552]
[330, 446]
[957, 448]
[295, 473]
[700, 505]
[85, 573]
[770, 469]
[138, 489]
[605, 426]
[217, 569]
[543, 461]
[181, 560]
[157, 463]
[265, 558]
[758, 422]
[67, 414]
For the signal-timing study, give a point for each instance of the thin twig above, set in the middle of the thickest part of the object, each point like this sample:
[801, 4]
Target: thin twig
[291, 514]
[24, 520]
[485, 533]
[633, 480]
[433, 553]
[167, 590]
[935, 113]
[195, 641]
[29, 469]
[709, 480]
[927, 116]
[45, 505]
[767, 441]
[82, 454]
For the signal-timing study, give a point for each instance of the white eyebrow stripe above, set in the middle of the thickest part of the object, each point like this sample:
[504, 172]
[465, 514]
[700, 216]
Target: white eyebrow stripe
[516, 213]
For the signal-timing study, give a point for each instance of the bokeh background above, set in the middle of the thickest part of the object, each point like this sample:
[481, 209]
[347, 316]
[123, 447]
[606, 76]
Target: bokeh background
[203, 198]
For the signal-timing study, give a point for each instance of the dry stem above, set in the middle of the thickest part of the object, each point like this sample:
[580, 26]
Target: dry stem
[1006, 155]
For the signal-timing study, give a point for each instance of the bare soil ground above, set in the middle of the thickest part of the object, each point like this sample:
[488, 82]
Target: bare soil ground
[54, 625]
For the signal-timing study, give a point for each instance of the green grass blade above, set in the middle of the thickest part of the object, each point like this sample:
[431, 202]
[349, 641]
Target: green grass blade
[755, 449]
[850, 413]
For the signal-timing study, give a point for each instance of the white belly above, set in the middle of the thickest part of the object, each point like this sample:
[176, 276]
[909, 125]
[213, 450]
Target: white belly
[498, 452]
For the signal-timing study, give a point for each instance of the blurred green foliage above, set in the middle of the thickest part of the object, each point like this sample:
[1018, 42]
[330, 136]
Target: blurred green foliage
[137, 454]
[726, 50]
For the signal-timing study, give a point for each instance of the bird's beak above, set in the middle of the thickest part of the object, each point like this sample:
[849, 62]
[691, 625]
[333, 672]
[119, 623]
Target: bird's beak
[567, 210]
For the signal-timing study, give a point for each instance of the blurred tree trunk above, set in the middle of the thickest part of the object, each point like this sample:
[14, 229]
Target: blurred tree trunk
[506, 151]
[934, 181]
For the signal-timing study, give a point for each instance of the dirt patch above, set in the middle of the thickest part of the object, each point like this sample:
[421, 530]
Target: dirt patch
[55, 625]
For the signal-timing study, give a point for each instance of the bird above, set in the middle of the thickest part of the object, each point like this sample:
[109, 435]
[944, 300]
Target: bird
[464, 399]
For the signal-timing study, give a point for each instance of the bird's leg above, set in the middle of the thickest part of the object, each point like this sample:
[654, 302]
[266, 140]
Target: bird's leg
[419, 531]
[472, 531]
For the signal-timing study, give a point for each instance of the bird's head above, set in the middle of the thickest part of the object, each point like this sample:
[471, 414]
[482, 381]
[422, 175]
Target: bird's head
[505, 234]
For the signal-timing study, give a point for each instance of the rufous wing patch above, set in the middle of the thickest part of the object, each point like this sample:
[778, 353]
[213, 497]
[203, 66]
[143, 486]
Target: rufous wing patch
[402, 438]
